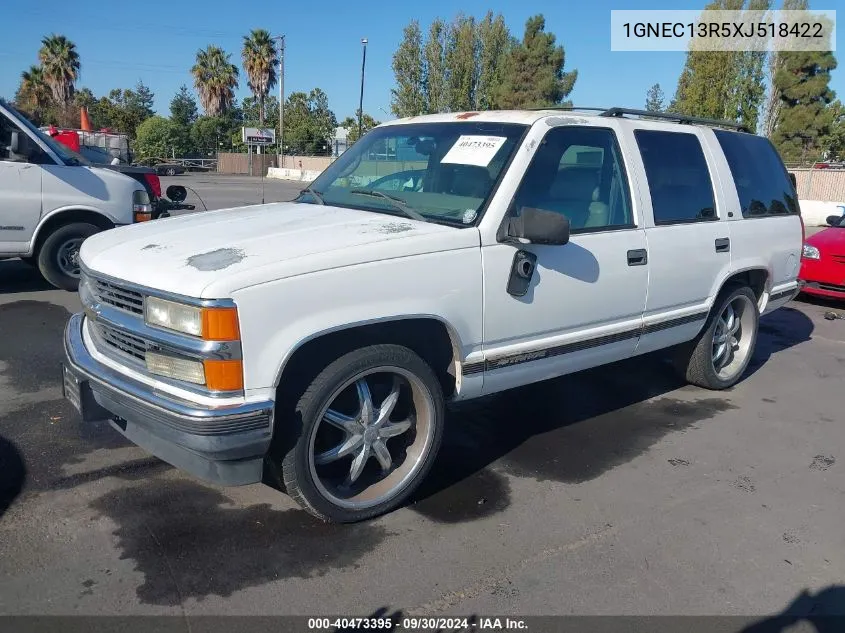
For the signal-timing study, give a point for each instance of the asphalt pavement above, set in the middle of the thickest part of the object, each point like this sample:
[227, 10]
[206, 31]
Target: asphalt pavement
[618, 490]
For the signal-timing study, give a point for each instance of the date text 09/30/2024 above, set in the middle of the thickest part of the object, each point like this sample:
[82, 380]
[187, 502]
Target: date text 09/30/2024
[456, 624]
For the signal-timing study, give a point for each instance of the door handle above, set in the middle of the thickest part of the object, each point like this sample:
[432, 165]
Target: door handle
[723, 245]
[638, 257]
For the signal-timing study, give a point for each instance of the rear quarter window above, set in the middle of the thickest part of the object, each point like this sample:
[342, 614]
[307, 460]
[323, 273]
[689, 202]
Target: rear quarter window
[761, 179]
[678, 178]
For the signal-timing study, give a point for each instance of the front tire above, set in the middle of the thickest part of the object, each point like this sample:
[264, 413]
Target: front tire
[720, 355]
[58, 257]
[363, 435]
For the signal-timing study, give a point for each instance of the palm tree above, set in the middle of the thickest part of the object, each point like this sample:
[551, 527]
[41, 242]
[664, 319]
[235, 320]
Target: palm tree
[260, 59]
[60, 62]
[215, 79]
[34, 93]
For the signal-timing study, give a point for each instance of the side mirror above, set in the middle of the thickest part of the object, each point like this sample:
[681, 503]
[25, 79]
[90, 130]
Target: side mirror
[177, 193]
[793, 180]
[19, 145]
[539, 226]
[834, 220]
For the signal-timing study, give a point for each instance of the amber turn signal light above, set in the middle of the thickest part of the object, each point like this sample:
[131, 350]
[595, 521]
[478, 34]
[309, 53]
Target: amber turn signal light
[224, 375]
[220, 324]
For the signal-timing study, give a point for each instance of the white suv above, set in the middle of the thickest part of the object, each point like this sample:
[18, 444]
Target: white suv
[324, 336]
[51, 199]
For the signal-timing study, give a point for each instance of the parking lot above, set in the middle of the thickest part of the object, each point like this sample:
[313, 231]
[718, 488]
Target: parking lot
[614, 491]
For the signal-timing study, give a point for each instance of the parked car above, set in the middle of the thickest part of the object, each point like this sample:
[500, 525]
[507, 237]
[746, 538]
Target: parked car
[823, 261]
[169, 169]
[51, 200]
[322, 338]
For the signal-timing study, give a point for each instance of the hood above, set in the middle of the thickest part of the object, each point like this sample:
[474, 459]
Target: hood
[212, 254]
[112, 175]
[830, 240]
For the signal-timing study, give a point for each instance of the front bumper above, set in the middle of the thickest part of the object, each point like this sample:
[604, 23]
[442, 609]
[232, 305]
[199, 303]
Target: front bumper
[223, 445]
[822, 289]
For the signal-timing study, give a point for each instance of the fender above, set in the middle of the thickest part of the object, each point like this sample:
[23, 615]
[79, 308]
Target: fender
[66, 210]
[279, 317]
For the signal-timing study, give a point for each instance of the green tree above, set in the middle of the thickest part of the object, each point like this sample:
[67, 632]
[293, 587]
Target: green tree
[493, 47]
[183, 107]
[835, 140]
[707, 77]
[208, 132]
[804, 119]
[533, 71]
[461, 61]
[34, 96]
[772, 105]
[408, 97]
[129, 108]
[351, 126]
[309, 123]
[215, 79]
[654, 99]
[158, 137]
[435, 85]
[260, 59]
[60, 63]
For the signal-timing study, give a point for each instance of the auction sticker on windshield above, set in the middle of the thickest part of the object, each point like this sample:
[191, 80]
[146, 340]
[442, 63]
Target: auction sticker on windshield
[474, 150]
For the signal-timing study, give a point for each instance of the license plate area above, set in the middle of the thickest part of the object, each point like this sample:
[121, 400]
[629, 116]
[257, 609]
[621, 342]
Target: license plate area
[78, 392]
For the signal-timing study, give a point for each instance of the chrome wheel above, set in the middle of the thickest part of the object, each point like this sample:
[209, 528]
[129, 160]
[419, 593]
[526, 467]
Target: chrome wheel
[67, 256]
[733, 337]
[372, 437]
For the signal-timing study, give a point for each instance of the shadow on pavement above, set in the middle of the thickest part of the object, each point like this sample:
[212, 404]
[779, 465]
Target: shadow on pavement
[825, 611]
[12, 474]
[780, 330]
[575, 428]
[18, 276]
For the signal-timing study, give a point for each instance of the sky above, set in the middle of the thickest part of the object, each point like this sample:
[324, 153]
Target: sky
[156, 41]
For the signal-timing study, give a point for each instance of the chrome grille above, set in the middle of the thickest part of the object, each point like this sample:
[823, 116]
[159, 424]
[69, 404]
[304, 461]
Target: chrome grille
[125, 344]
[117, 296]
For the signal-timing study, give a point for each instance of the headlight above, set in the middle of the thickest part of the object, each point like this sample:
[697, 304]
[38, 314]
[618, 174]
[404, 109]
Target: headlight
[173, 316]
[142, 210]
[810, 252]
[211, 323]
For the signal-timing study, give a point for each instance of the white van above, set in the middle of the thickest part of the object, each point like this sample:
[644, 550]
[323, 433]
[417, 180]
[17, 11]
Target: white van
[51, 200]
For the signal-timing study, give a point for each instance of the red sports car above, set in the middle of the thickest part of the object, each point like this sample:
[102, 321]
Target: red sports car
[823, 261]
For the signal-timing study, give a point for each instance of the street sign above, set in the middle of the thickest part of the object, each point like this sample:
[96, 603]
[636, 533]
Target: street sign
[258, 136]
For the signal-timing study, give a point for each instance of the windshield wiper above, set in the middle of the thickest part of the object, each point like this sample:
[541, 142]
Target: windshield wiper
[314, 193]
[395, 202]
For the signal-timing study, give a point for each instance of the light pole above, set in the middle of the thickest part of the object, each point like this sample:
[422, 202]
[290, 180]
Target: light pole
[361, 100]
[281, 140]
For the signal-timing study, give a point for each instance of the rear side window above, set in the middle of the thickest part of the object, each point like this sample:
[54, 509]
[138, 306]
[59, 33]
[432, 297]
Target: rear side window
[678, 178]
[761, 179]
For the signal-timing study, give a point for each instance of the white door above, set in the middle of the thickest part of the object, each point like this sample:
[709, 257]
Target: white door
[20, 193]
[583, 302]
[689, 245]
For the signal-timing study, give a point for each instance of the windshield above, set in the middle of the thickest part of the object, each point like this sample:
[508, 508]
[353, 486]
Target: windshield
[444, 172]
[65, 154]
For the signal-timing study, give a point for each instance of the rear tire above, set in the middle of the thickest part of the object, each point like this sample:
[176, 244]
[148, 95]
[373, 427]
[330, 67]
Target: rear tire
[719, 356]
[58, 257]
[349, 452]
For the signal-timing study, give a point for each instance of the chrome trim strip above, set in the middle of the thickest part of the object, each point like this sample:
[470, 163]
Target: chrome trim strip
[112, 382]
[519, 358]
[163, 294]
[160, 339]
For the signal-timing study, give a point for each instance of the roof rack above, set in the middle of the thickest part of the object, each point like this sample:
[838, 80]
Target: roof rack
[678, 118]
[569, 107]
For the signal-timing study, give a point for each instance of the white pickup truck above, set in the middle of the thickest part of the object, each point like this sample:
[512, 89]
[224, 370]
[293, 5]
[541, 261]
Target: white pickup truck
[323, 337]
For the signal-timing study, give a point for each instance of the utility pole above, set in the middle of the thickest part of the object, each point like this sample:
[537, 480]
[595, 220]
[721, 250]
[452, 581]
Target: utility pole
[280, 146]
[361, 100]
